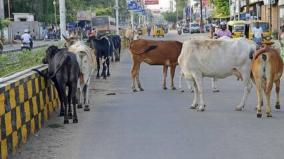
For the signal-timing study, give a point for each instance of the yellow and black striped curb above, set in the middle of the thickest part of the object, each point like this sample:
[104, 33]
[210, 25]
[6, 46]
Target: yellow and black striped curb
[24, 106]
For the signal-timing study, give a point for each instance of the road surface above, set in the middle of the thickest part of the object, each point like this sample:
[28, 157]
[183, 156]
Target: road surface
[157, 123]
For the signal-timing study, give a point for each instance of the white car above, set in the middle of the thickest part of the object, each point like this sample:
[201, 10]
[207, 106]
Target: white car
[194, 28]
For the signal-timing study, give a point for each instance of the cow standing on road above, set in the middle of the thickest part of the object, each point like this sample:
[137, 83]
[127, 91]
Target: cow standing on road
[267, 68]
[217, 59]
[154, 53]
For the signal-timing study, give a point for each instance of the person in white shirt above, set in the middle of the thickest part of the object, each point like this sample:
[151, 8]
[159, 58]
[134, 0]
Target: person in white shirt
[26, 38]
[257, 34]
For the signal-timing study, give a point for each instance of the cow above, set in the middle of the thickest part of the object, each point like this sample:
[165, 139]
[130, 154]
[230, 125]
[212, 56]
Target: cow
[86, 59]
[64, 71]
[116, 42]
[104, 50]
[154, 53]
[266, 69]
[217, 59]
[130, 35]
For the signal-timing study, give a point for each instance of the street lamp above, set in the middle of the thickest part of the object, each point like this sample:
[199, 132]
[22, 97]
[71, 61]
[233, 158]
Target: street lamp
[55, 19]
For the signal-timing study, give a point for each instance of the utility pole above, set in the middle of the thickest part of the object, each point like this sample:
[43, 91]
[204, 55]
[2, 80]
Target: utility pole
[62, 11]
[201, 17]
[2, 13]
[132, 19]
[239, 6]
[9, 9]
[270, 18]
[55, 19]
[116, 16]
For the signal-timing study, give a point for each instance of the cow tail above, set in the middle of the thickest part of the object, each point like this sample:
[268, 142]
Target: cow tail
[41, 73]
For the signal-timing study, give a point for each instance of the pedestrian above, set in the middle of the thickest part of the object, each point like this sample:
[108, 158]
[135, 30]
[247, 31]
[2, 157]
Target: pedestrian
[281, 39]
[224, 31]
[257, 34]
[149, 27]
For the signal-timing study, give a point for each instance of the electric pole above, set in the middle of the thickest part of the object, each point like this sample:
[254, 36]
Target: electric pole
[2, 13]
[201, 17]
[117, 15]
[62, 11]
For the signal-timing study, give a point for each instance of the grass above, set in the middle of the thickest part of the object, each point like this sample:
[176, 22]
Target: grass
[18, 61]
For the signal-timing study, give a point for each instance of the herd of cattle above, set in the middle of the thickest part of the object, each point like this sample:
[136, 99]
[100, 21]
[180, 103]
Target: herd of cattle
[215, 58]
[70, 68]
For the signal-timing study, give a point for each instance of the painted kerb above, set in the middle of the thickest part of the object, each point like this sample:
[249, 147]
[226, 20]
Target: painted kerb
[25, 104]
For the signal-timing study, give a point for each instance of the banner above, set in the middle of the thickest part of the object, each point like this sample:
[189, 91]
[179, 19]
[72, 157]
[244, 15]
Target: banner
[151, 2]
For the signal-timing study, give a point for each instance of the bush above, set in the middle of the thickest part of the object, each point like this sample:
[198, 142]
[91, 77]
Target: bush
[19, 61]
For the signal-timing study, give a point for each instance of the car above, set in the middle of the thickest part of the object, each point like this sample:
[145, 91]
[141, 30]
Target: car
[194, 28]
[185, 29]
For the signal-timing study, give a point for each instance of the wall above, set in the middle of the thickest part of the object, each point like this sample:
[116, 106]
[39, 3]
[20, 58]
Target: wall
[25, 104]
[265, 15]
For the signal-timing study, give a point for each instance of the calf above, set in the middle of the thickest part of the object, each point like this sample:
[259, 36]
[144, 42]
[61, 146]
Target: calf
[267, 68]
[154, 53]
[64, 71]
[217, 59]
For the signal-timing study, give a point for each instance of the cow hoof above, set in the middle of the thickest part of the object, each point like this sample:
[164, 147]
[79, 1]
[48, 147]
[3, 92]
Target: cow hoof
[141, 89]
[75, 120]
[216, 90]
[87, 108]
[97, 77]
[238, 108]
[268, 115]
[201, 109]
[194, 106]
[173, 88]
[108, 74]
[191, 91]
[277, 106]
[66, 121]
[165, 88]
[105, 78]
[134, 90]
[79, 106]
[258, 115]
[182, 91]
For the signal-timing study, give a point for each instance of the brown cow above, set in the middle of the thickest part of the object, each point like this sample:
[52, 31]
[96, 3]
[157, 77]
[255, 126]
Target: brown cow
[267, 67]
[153, 52]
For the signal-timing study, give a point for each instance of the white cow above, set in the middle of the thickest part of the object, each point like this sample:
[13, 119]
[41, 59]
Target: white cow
[217, 59]
[86, 60]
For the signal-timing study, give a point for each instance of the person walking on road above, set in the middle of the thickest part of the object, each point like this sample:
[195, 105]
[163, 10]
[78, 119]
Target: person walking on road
[281, 39]
[149, 30]
[257, 34]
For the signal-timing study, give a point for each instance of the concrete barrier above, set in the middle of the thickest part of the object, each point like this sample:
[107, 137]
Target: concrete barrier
[25, 103]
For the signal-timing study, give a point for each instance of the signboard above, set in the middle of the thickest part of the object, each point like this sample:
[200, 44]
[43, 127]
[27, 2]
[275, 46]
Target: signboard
[268, 2]
[151, 2]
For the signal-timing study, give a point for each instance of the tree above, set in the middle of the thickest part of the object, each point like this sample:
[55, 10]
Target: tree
[221, 8]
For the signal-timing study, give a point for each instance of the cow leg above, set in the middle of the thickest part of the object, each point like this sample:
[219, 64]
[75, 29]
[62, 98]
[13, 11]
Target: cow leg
[69, 102]
[104, 69]
[80, 104]
[193, 83]
[165, 70]
[86, 98]
[247, 89]
[214, 87]
[138, 80]
[172, 70]
[267, 97]
[134, 72]
[198, 80]
[66, 119]
[277, 90]
[259, 97]
[108, 67]
[61, 98]
[73, 96]
[98, 67]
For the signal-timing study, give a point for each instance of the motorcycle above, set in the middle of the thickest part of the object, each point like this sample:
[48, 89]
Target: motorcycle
[179, 31]
[26, 46]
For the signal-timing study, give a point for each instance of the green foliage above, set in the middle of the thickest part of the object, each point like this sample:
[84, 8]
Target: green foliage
[104, 11]
[171, 16]
[221, 8]
[19, 61]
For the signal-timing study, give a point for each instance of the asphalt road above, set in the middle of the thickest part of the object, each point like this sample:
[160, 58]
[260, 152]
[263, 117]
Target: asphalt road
[157, 123]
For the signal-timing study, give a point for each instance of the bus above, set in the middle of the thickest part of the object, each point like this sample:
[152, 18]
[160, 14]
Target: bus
[104, 24]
